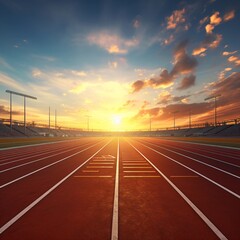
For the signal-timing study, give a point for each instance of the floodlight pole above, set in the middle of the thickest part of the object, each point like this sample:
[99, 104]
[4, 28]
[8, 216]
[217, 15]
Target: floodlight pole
[190, 120]
[24, 96]
[150, 124]
[49, 118]
[215, 107]
[174, 118]
[11, 111]
[88, 121]
[55, 118]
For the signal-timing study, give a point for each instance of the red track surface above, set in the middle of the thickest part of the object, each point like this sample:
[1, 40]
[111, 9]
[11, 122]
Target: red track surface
[126, 188]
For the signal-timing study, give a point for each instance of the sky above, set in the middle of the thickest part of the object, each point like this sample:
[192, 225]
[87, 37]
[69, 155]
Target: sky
[120, 65]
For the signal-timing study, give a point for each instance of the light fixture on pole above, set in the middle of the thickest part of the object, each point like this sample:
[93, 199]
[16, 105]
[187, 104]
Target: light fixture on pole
[25, 114]
[88, 121]
[174, 113]
[215, 106]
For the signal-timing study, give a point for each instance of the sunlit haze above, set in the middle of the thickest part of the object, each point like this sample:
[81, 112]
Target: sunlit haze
[120, 65]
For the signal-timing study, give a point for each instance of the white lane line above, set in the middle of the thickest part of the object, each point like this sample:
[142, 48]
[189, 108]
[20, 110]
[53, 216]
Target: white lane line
[40, 159]
[195, 160]
[90, 171]
[204, 144]
[209, 179]
[47, 166]
[99, 167]
[190, 203]
[137, 167]
[29, 207]
[145, 176]
[91, 176]
[201, 155]
[37, 144]
[184, 176]
[37, 155]
[139, 171]
[114, 234]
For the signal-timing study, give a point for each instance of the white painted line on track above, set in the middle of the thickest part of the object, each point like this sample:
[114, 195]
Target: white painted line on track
[192, 170]
[195, 160]
[40, 159]
[37, 144]
[204, 144]
[114, 234]
[201, 155]
[29, 207]
[49, 165]
[190, 203]
[37, 155]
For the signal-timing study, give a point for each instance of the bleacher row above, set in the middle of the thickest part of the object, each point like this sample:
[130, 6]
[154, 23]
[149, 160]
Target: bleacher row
[30, 131]
[218, 131]
[33, 131]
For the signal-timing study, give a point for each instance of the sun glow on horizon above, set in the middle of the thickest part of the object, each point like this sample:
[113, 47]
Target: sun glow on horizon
[117, 120]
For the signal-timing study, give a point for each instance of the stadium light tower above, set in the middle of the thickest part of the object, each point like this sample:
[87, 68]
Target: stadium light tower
[25, 114]
[88, 121]
[215, 106]
[174, 113]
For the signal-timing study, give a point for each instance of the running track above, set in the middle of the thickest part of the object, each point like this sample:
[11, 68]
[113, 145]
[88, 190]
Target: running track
[119, 188]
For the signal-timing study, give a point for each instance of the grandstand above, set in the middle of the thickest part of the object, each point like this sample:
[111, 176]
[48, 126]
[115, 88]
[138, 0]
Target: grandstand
[230, 129]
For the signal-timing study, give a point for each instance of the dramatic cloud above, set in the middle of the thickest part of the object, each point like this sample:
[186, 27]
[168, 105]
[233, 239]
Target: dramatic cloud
[163, 80]
[183, 64]
[228, 88]
[234, 60]
[215, 20]
[187, 82]
[166, 98]
[229, 53]
[112, 43]
[176, 18]
[211, 41]
[138, 85]
[229, 15]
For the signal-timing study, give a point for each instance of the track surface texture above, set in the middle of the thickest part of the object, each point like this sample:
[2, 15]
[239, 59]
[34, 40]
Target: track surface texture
[119, 188]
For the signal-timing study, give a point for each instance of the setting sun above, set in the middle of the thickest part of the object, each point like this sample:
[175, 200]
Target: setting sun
[117, 120]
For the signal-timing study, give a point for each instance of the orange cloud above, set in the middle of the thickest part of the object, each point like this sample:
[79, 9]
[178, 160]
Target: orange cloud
[183, 64]
[209, 28]
[211, 41]
[176, 18]
[215, 19]
[228, 53]
[235, 60]
[199, 51]
[229, 15]
[112, 43]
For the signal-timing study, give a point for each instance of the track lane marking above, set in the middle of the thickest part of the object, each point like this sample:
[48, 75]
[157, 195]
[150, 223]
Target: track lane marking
[34, 203]
[190, 203]
[40, 159]
[215, 159]
[91, 176]
[47, 166]
[184, 176]
[114, 232]
[192, 170]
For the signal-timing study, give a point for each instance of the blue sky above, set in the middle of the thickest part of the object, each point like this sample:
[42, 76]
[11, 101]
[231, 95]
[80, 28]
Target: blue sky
[124, 60]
